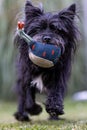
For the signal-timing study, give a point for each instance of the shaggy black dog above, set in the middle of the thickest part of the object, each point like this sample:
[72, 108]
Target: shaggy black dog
[55, 28]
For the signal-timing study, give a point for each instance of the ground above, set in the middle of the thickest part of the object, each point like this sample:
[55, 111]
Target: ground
[75, 118]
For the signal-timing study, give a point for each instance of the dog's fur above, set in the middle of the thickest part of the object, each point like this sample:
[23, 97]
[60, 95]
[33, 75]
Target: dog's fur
[55, 28]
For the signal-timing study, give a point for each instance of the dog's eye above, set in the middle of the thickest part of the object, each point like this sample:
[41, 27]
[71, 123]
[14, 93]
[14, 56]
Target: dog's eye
[52, 27]
[43, 25]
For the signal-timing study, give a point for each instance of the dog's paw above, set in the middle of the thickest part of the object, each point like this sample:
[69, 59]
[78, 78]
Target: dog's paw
[34, 110]
[54, 111]
[54, 117]
[21, 116]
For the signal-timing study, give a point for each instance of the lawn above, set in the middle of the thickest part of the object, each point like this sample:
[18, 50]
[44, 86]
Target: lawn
[75, 118]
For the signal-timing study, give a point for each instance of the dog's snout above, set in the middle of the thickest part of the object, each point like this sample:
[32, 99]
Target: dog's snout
[46, 39]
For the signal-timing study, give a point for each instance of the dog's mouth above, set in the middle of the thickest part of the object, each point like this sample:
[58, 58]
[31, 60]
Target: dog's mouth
[53, 41]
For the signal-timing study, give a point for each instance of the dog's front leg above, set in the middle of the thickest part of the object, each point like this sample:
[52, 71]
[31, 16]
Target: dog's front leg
[31, 106]
[21, 115]
[54, 103]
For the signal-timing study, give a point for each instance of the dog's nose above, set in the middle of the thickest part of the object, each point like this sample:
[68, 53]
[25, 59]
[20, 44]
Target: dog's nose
[46, 39]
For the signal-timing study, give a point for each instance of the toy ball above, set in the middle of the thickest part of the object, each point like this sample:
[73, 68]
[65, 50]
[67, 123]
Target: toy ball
[43, 55]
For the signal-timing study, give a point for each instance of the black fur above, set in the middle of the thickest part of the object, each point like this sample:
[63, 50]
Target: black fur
[56, 28]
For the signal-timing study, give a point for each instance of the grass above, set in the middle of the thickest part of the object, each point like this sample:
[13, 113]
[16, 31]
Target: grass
[75, 118]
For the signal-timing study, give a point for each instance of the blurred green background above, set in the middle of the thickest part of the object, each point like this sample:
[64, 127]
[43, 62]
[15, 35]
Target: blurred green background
[10, 12]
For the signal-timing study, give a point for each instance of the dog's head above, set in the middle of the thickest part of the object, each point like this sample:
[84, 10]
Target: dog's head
[54, 28]
[57, 28]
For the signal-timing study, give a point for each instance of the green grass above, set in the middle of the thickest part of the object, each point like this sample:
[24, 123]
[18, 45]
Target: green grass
[75, 118]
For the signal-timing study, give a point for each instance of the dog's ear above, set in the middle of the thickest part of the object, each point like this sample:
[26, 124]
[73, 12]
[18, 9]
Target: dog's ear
[69, 13]
[72, 8]
[32, 11]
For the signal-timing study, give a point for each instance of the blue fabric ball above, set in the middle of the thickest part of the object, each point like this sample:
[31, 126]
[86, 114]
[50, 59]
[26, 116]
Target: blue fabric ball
[44, 55]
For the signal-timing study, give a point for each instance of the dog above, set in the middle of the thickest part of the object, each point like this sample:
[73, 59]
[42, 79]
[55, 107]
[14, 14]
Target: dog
[57, 28]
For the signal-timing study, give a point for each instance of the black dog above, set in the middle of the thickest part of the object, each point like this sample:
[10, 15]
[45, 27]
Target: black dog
[55, 28]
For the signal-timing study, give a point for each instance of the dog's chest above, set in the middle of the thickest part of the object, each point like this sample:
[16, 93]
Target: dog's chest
[38, 83]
